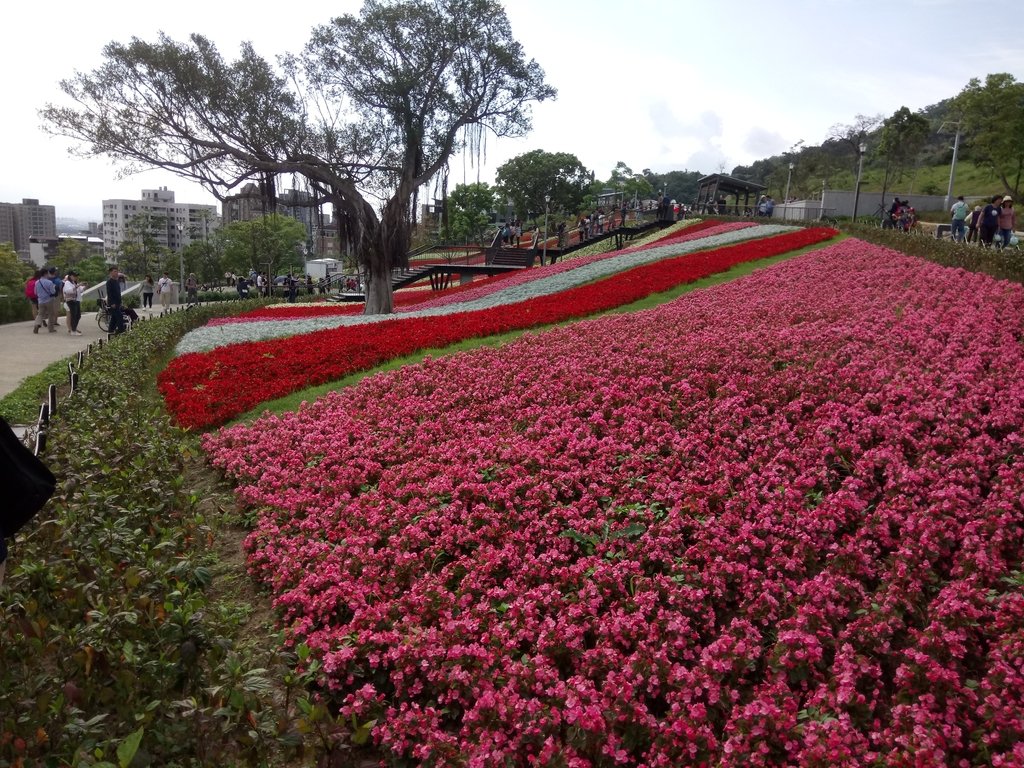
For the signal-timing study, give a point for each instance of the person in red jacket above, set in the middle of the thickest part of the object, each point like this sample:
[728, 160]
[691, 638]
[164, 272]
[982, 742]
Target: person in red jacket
[30, 292]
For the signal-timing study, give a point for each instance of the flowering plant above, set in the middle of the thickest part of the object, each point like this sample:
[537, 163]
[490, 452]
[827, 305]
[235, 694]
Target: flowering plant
[780, 521]
[206, 389]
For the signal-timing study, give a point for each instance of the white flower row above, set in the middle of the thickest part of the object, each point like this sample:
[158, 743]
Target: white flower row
[211, 337]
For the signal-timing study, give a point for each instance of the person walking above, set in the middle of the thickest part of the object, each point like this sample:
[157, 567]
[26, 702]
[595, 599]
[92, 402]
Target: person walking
[30, 292]
[1007, 221]
[192, 288]
[72, 298]
[989, 221]
[113, 287]
[164, 287]
[958, 214]
[148, 289]
[972, 225]
[46, 295]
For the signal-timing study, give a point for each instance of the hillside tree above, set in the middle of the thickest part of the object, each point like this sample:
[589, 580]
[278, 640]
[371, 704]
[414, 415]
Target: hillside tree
[993, 126]
[371, 110]
[903, 135]
[528, 178]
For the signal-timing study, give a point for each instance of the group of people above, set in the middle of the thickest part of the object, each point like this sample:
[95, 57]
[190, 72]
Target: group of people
[511, 233]
[164, 288]
[46, 290]
[902, 215]
[992, 225]
[765, 206]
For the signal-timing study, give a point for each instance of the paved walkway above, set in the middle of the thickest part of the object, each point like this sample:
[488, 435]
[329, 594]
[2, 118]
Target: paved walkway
[23, 353]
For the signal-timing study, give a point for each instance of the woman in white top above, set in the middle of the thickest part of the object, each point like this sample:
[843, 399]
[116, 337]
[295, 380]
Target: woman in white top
[73, 301]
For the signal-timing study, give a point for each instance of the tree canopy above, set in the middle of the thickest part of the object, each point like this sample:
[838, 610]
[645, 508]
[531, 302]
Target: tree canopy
[631, 185]
[993, 125]
[903, 135]
[269, 243]
[469, 211]
[13, 271]
[370, 110]
[528, 178]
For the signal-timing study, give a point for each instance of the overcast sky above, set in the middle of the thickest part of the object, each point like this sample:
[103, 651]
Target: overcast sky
[659, 84]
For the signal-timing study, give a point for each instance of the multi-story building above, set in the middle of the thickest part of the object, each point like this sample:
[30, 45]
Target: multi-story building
[172, 225]
[20, 221]
[46, 250]
[250, 203]
[7, 223]
[247, 205]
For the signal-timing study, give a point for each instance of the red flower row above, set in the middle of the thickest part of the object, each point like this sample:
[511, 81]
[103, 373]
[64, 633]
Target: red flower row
[206, 389]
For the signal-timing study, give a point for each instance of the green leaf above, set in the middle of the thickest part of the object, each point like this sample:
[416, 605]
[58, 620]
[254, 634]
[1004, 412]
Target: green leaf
[361, 735]
[126, 749]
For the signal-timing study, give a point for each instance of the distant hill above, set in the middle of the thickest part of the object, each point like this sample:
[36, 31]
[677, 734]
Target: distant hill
[834, 162]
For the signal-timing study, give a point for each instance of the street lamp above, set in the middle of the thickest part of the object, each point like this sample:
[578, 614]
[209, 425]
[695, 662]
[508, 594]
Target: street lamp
[544, 254]
[860, 169]
[785, 197]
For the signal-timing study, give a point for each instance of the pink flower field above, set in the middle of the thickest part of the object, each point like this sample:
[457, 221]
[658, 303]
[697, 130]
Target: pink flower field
[776, 522]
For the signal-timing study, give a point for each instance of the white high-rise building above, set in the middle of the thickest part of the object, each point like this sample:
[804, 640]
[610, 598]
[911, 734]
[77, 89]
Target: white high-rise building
[173, 225]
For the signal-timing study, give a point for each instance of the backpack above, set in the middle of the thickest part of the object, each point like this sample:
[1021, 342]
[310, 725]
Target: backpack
[26, 481]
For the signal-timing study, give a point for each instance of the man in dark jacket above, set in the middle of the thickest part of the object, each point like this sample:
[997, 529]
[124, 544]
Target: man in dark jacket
[114, 302]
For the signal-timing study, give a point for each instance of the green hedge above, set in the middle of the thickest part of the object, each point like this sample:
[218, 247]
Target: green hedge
[119, 640]
[14, 309]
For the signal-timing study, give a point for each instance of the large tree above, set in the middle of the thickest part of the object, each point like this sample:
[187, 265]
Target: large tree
[469, 211]
[903, 135]
[993, 126]
[13, 271]
[527, 179]
[370, 111]
[270, 244]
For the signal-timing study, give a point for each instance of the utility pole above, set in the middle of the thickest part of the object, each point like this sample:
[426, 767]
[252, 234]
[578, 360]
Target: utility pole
[952, 166]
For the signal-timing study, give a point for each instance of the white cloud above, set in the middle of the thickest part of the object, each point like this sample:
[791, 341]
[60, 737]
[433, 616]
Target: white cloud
[657, 85]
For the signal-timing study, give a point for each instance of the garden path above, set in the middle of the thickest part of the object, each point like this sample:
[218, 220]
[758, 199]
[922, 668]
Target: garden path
[24, 353]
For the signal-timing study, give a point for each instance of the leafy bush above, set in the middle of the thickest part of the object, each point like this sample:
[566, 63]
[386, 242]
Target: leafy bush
[22, 405]
[112, 644]
[14, 309]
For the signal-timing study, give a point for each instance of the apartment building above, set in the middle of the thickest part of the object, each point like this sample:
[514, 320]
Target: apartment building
[250, 203]
[171, 224]
[21, 221]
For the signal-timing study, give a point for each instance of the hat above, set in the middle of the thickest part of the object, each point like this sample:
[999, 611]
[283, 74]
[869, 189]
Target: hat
[1007, 199]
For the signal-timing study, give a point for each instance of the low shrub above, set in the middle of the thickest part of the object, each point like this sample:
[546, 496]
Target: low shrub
[117, 641]
[14, 309]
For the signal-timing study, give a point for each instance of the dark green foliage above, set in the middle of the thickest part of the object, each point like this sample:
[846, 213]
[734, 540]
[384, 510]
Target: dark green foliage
[107, 622]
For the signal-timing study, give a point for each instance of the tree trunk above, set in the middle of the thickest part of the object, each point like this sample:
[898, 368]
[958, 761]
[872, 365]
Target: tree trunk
[379, 297]
[390, 249]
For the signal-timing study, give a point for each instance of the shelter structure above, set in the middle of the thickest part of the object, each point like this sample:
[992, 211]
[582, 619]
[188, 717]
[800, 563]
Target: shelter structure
[715, 190]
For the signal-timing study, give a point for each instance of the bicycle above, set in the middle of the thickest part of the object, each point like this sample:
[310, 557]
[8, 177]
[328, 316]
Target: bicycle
[883, 217]
[103, 317]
